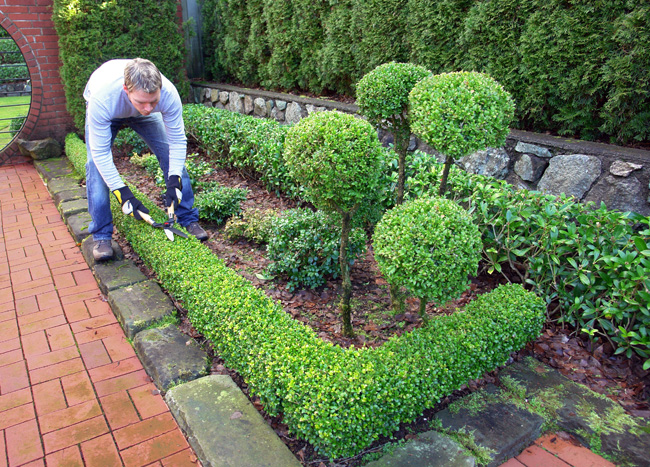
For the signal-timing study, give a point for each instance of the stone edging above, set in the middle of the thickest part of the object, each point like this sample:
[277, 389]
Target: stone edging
[589, 171]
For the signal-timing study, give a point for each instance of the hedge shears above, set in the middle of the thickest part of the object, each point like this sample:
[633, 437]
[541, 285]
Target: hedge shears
[167, 226]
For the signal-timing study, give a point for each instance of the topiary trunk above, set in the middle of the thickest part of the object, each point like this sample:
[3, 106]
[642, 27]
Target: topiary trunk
[423, 309]
[345, 276]
[445, 176]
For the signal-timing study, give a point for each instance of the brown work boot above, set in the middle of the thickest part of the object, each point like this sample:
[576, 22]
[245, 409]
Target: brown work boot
[102, 251]
[195, 229]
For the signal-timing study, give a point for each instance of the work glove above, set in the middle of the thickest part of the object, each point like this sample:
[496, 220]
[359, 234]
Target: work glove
[130, 204]
[173, 194]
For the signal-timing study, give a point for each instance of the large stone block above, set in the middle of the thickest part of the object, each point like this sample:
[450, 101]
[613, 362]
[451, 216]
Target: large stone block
[140, 305]
[78, 225]
[54, 168]
[169, 356]
[223, 427]
[77, 206]
[69, 195]
[570, 174]
[498, 426]
[428, 449]
[117, 274]
[40, 149]
[492, 162]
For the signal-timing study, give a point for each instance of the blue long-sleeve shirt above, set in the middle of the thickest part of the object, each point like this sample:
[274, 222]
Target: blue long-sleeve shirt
[107, 100]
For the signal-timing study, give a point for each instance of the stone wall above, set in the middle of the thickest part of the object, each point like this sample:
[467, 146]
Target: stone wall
[29, 23]
[589, 171]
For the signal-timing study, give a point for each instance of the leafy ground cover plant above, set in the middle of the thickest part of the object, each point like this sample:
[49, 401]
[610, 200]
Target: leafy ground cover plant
[305, 245]
[460, 113]
[220, 203]
[337, 158]
[252, 224]
[430, 246]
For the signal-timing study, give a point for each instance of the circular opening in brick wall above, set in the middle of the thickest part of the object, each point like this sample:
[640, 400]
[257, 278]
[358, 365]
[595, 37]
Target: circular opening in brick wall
[19, 85]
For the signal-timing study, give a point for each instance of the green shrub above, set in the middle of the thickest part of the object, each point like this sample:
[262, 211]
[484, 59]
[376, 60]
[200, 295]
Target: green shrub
[252, 224]
[430, 246]
[75, 151]
[15, 125]
[128, 140]
[251, 145]
[304, 247]
[197, 171]
[383, 98]
[339, 400]
[91, 33]
[337, 159]
[584, 262]
[220, 203]
[460, 113]
[573, 67]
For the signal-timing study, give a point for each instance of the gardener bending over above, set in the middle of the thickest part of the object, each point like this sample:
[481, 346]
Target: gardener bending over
[134, 93]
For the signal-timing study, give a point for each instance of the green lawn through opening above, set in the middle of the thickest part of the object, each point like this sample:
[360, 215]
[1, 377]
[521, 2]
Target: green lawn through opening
[6, 112]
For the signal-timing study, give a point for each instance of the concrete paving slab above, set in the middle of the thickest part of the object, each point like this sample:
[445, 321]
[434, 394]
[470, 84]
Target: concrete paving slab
[87, 251]
[55, 167]
[169, 356]
[500, 427]
[223, 427]
[78, 225]
[113, 275]
[429, 449]
[77, 206]
[140, 305]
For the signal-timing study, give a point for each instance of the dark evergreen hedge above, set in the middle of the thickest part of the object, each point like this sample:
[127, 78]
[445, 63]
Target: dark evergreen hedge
[91, 33]
[574, 67]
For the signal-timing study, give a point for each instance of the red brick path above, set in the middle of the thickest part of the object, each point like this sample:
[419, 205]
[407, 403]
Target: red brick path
[72, 391]
[553, 451]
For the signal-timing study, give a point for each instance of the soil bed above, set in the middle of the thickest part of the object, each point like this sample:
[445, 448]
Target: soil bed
[594, 365]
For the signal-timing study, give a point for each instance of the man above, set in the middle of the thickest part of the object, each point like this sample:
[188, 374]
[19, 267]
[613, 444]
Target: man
[134, 93]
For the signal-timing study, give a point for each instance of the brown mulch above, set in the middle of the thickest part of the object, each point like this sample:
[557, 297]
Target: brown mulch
[592, 364]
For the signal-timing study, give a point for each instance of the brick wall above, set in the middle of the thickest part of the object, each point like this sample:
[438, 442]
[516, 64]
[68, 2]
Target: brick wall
[29, 22]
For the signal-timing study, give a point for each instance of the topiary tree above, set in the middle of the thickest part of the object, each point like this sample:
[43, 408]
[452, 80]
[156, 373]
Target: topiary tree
[383, 98]
[429, 246]
[336, 157]
[460, 113]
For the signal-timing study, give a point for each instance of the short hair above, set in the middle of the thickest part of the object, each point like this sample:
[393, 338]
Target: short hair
[142, 75]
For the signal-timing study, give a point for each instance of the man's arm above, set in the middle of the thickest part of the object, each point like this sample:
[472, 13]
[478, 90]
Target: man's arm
[172, 114]
[98, 135]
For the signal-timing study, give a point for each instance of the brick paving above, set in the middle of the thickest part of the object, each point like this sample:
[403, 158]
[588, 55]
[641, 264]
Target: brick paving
[552, 451]
[72, 391]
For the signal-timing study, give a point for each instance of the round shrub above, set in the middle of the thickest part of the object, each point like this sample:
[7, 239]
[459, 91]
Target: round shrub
[383, 93]
[335, 156]
[430, 246]
[460, 113]
[304, 247]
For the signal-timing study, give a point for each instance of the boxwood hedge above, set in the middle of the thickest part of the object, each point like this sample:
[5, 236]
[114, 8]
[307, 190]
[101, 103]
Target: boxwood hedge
[339, 400]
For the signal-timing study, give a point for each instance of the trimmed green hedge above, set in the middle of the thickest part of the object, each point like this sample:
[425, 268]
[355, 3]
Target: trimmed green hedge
[252, 145]
[91, 33]
[578, 68]
[339, 400]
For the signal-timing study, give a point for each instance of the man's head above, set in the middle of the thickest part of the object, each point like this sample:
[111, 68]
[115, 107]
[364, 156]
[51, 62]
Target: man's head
[142, 83]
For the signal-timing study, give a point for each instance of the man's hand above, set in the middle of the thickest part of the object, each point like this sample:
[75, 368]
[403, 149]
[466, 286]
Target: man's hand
[130, 204]
[173, 194]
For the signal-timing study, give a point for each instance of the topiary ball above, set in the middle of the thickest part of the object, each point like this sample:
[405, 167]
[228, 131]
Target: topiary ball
[383, 93]
[460, 113]
[430, 246]
[336, 158]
